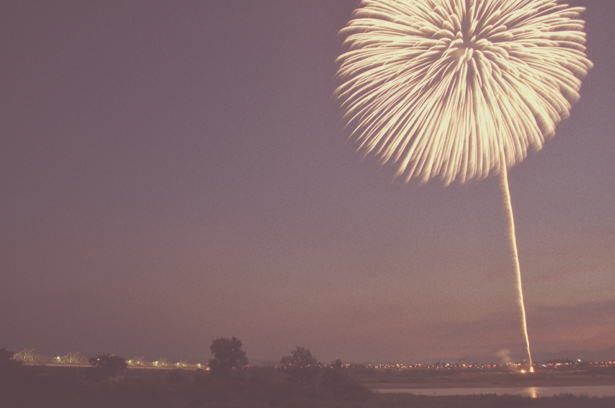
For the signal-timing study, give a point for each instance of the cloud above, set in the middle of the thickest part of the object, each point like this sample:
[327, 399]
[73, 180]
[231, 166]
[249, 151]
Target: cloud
[555, 274]
[589, 325]
[600, 312]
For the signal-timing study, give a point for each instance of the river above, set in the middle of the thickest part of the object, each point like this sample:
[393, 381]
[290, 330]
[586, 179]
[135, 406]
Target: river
[534, 392]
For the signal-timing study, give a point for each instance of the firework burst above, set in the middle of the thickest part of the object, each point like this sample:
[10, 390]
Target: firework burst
[442, 87]
[459, 89]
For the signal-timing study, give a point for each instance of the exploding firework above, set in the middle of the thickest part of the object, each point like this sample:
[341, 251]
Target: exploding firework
[460, 89]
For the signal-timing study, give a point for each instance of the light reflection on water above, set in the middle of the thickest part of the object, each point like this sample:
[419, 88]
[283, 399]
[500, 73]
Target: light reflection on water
[533, 392]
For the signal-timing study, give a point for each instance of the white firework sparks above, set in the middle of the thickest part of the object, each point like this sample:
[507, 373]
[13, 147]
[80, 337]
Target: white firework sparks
[442, 87]
[459, 89]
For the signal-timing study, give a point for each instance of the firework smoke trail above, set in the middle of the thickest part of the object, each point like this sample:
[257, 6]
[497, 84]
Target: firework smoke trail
[459, 89]
[513, 244]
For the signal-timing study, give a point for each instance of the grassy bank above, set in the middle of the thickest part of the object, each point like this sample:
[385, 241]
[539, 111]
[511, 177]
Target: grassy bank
[32, 387]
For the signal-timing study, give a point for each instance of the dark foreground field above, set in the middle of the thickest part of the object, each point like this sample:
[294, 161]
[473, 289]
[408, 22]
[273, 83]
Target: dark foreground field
[49, 387]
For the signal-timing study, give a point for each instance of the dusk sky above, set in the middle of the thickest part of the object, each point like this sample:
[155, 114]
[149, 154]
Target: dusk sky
[174, 172]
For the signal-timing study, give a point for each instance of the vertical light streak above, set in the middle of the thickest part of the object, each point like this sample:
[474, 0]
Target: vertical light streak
[513, 244]
[455, 89]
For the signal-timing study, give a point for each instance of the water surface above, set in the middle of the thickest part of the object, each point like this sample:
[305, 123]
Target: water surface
[534, 392]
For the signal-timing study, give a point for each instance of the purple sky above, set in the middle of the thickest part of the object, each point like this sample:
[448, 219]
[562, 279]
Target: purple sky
[173, 172]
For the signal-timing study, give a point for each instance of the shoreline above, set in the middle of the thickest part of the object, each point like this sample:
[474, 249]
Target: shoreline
[486, 384]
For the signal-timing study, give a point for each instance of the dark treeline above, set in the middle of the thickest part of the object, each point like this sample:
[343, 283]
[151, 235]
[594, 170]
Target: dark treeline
[299, 381]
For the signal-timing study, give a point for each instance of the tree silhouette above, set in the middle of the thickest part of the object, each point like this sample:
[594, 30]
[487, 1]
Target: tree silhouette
[227, 356]
[301, 366]
[105, 366]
